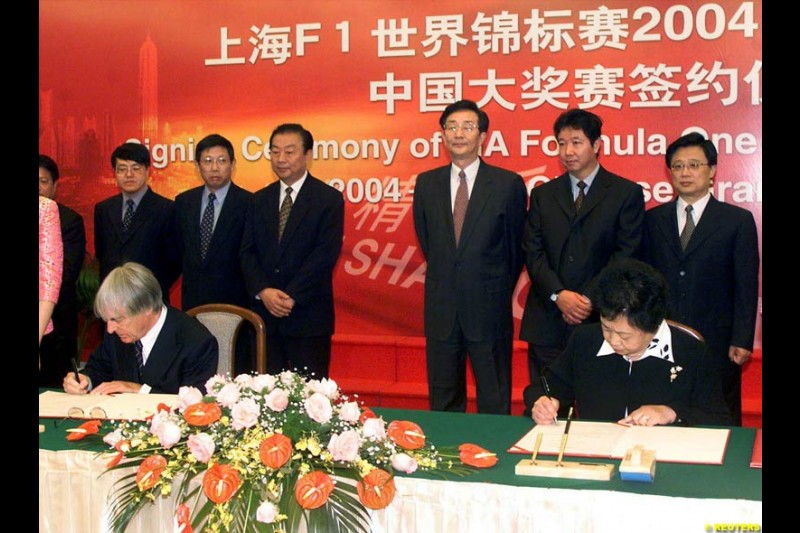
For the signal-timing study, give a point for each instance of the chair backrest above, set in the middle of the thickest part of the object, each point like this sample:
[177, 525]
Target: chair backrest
[224, 322]
[686, 329]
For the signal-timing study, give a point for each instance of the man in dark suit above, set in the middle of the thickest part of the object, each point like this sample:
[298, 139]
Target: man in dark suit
[468, 217]
[293, 237]
[210, 224]
[137, 224]
[148, 346]
[577, 224]
[712, 266]
[60, 347]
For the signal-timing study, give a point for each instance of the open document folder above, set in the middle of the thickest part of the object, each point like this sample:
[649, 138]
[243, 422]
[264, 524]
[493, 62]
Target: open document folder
[610, 440]
[123, 406]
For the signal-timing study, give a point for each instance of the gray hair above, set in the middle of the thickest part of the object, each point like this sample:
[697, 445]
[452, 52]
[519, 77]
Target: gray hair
[131, 288]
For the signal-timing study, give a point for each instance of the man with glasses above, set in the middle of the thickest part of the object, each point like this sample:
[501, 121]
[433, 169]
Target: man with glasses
[468, 216]
[577, 224]
[137, 224]
[708, 252]
[147, 346]
[210, 224]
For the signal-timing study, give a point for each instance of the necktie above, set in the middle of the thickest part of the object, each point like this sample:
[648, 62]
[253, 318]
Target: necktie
[688, 228]
[581, 196]
[283, 214]
[207, 225]
[460, 205]
[137, 351]
[127, 218]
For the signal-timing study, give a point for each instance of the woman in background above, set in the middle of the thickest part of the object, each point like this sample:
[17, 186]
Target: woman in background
[51, 262]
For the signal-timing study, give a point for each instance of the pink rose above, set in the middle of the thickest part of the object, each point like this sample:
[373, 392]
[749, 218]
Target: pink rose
[263, 383]
[188, 396]
[214, 383]
[404, 463]
[168, 433]
[267, 512]
[277, 400]
[158, 419]
[349, 412]
[325, 386]
[228, 395]
[374, 428]
[244, 414]
[245, 381]
[113, 437]
[202, 446]
[318, 407]
[344, 446]
[287, 377]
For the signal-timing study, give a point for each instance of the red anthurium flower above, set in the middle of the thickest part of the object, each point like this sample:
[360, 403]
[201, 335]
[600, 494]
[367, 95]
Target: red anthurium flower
[163, 407]
[474, 455]
[275, 450]
[406, 434]
[366, 413]
[202, 414]
[220, 482]
[183, 519]
[87, 428]
[377, 489]
[115, 460]
[313, 489]
[150, 471]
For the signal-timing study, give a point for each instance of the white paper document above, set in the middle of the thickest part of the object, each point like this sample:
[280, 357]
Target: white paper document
[611, 440]
[123, 406]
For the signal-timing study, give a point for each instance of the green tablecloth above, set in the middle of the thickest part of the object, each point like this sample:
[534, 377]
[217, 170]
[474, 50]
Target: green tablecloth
[732, 480]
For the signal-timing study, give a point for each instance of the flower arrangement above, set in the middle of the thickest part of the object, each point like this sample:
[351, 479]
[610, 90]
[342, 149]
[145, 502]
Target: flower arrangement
[273, 451]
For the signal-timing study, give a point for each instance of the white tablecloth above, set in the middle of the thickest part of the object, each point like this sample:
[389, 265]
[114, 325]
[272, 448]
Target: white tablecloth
[74, 497]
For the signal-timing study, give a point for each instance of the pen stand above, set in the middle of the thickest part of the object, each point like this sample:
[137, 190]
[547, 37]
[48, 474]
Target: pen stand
[638, 465]
[564, 469]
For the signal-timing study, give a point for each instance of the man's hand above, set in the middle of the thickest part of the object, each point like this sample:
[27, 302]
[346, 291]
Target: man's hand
[112, 387]
[739, 355]
[574, 307]
[277, 302]
[74, 387]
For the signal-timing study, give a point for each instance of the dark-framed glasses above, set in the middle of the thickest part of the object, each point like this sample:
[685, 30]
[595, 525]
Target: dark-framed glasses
[691, 165]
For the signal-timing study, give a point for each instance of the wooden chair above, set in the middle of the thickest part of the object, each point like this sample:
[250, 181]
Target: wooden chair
[686, 329]
[224, 322]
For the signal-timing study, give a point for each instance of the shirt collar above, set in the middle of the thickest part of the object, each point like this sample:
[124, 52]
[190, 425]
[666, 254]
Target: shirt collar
[660, 346]
[149, 339]
[470, 170]
[295, 186]
[136, 197]
[220, 193]
[587, 180]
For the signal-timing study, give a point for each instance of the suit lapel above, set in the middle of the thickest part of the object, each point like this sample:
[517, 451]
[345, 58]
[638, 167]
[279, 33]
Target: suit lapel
[224, 221]
[195, 204]
[444, 204]
[116, 217]
[599, 189]
[300, 207]
[481, 192]
[142, 214]
[563, 197]
[162, 356]
[708, 224]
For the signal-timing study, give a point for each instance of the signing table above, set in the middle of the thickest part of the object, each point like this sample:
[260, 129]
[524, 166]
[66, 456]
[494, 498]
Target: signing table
[73, 497]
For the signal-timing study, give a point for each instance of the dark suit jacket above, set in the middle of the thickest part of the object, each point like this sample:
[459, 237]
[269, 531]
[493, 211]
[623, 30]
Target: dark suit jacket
[59, 346]
[302, 263]
[151, 240]
[603, 386]
[185, 354]
[474, 281]
[563, 251]
[713, 285]
[218, 278]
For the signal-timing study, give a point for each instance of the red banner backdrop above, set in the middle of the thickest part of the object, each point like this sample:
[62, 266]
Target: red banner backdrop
[369, 79]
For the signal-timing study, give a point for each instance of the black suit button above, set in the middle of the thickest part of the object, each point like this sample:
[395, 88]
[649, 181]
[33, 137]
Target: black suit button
[571, 259]
[277, 271]
[682, 272]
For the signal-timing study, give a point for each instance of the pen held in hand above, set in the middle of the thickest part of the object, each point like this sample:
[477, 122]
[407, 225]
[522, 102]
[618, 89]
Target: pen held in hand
[547, 393]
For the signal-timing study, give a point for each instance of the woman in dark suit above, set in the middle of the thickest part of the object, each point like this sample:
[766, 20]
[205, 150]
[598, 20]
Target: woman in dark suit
[632, 367]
